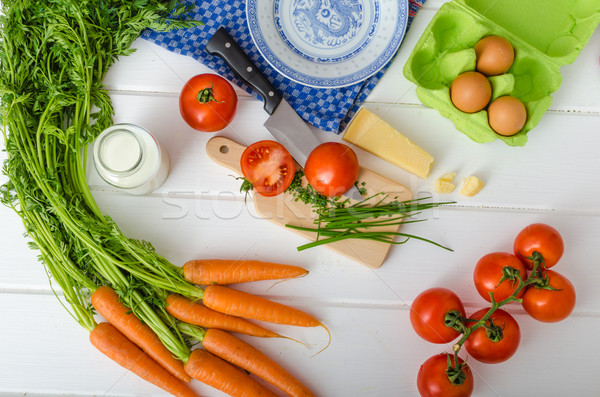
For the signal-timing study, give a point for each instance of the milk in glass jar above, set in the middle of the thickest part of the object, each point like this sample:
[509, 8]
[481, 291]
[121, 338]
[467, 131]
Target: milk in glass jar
[128, 157]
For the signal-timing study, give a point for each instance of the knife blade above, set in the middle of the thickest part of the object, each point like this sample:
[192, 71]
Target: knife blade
[284, 124]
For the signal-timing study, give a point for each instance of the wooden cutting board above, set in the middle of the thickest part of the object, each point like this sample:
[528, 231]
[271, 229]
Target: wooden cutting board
[283, 209]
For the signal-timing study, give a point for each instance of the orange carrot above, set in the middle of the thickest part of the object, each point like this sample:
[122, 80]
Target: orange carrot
[118, 348]
[106, 302]
[224, 271]
[221, 375]
[196, 313]
[243, 304]
[240, 353]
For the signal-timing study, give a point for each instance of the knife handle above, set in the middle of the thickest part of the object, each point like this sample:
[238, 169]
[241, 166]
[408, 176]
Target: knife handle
[223, 45]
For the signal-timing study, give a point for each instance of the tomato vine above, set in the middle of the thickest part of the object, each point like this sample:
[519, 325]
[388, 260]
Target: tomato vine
[491, 335]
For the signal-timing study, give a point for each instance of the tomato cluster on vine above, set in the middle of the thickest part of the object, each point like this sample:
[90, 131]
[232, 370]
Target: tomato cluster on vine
[491, 335]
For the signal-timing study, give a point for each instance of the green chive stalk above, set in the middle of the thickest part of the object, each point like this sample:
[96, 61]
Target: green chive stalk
[369, 219]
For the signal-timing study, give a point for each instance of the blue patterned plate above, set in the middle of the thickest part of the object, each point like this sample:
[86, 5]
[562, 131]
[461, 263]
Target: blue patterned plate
[327, 43]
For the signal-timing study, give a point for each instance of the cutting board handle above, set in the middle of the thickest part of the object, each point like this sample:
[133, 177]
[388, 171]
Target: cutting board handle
[225, 152]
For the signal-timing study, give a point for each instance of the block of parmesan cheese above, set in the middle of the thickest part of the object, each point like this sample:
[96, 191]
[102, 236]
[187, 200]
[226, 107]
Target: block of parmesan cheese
[371, 133]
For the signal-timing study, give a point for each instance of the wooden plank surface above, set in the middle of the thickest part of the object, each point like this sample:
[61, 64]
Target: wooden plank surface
[199, 213]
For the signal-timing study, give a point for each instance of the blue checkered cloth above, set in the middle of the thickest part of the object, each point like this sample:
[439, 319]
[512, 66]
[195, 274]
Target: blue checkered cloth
[329, 109]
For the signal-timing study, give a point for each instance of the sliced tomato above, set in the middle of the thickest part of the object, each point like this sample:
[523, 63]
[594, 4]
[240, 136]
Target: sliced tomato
[268, 166]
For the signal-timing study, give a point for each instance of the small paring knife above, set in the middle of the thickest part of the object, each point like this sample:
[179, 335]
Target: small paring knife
[284, 124]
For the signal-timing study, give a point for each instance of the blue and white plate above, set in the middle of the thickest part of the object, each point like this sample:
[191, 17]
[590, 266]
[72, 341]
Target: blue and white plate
[327, 43]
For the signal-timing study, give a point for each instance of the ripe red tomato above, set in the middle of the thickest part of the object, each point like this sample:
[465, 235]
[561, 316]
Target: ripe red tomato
[268, 166]
[550, 306]
[433, 381]
[484, 349]
[208, 102]
[331, 168]
[488, 272]
[428, 311]
[540, 238]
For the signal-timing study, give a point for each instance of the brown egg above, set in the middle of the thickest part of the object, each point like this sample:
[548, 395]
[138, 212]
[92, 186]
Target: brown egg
[495, 55]
[470, 92]
[507, 115]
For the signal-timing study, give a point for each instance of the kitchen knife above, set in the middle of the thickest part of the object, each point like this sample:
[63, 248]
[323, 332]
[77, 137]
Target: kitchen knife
[286, 126]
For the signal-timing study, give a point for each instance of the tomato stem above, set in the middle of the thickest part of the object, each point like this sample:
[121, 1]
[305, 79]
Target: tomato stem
[455, 320]
[537, 259]
[509, 273]
[455, 373]
[206, 95]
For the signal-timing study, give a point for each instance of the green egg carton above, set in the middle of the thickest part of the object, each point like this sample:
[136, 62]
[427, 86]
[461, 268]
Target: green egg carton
[545, 34]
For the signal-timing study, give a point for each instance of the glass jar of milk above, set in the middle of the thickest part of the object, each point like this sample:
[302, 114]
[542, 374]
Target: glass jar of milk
[131, 159]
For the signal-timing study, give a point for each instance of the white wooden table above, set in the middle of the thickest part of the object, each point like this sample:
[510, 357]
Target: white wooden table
[199, 213]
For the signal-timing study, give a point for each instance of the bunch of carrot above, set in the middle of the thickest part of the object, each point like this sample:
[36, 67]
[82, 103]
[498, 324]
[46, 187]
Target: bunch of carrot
[53, 105]
[222, 355]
